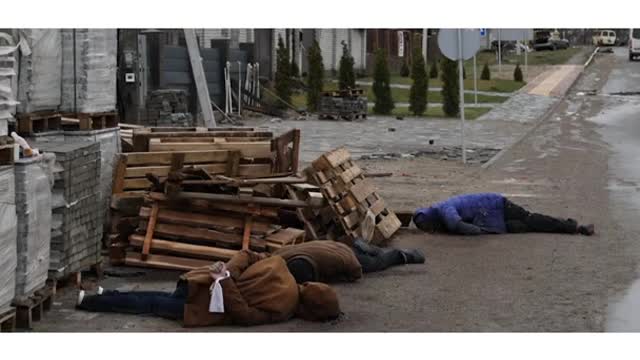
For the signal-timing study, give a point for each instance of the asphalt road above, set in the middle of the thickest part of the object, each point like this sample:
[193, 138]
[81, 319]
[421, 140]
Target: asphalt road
[581, 162]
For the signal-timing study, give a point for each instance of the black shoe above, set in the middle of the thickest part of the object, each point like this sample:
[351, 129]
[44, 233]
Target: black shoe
[413, 256]
[587, 230]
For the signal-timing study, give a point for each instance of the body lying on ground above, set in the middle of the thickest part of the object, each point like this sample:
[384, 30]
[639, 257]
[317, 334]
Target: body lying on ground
[490, 213]
[254, 289]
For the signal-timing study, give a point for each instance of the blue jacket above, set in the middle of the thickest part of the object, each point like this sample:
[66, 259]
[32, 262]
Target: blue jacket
[484, 210]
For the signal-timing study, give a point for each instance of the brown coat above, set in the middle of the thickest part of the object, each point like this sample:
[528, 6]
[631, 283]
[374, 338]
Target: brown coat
[332, 261]
[260, 290]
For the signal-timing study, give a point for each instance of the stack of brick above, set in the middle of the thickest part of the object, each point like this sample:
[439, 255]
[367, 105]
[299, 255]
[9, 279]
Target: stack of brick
[168, 107]
[33, 209]
[8, 233]
[89, 62]
[76, 227]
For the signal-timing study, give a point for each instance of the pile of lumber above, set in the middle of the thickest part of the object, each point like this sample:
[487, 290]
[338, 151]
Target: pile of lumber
[221, 158]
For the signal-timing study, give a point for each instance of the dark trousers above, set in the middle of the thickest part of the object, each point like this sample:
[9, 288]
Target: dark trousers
[373, 258]
[519, 220]
[164, 304]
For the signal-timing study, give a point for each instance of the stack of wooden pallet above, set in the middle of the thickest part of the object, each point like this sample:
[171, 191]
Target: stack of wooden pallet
[346, 104]
[351, 196]
[238, 153]
[193, 230]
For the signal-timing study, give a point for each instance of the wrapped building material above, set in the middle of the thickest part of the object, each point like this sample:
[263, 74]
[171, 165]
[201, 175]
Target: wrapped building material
[40, 70]
[76, 226]
[33, 209]
[8, 79]
[8, 233]
[89, 60]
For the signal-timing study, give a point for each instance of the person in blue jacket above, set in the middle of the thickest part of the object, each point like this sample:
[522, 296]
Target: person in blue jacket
[490, 213]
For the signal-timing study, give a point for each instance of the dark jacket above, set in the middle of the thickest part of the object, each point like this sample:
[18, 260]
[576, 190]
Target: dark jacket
[332, 261]
[467, 214]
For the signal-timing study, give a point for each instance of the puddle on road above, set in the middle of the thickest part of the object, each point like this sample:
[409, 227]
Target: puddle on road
[624, 315]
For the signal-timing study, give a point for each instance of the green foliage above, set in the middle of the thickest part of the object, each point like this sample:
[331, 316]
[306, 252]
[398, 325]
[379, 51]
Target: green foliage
[433, 71]
[315, 78]
[450, 87]
[486, 73]
[283, 73]
[381, 89]
[419, 88]
[404, 70]
[517, 74]
[295, 71]
[346, 74]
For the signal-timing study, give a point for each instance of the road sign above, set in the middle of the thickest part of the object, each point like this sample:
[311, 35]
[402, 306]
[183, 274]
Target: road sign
[483, 32]
[448, 43]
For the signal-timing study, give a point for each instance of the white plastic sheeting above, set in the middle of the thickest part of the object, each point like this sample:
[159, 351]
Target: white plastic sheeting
[40, 70]
[8, 79]
[8, 233]
[33, 208]
[89, 81]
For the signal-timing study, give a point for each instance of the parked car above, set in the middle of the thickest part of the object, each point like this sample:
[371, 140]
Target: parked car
[549, 40]
[604, 38]
[634, 43]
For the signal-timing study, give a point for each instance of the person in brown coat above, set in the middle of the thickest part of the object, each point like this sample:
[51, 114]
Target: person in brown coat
[256, 289]
[332, 261]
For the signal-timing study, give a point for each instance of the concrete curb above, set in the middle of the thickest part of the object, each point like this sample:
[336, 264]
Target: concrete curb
[541, 120]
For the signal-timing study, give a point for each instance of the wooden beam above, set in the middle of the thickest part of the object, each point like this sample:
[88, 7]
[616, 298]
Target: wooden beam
[233, 164]
[246, 237]
[150, 228]
[119, 174]
[204, 205]
[247, 149]
[199, 77]
[234, 199]
[165, 262]
[204, 220]
[185, 249]
[205, 235]
[164, 157]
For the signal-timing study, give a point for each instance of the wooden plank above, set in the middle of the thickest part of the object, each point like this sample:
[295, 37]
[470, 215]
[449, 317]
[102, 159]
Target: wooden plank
[204, 205]
[214, 139]
[348, 175]
[332, 159]
[206, 235]
[243, 199]
[199, 77]
[185, 249]
[352, 220]
[387, 227]
[233, 164]
[308, 226]
[295, 156]
[247, 149]
[377, 207]
[165, 262]
[150, 228]
[164, 157]
[246, 237]
[286, 236]
[204, 220]
[348, 204]
[207, 134]
[177, 162]
[362, 190]
[119, 174]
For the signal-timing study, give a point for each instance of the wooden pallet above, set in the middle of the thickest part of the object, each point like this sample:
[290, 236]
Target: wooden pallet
[172, 238]
[342, 116]
[7, 154]
[8, 320]
[142, 138]
[344, 93]
[131, 168]
[96, 121]
[38, 122]
[352, 196]
[32, 308]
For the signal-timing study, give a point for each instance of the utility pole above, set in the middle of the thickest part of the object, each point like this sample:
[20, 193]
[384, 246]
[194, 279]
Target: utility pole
[425, 35]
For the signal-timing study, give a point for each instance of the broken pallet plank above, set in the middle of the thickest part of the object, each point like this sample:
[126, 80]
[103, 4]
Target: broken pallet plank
[164, 157]
[204, 235]
[185, 249]
[204, 220]
[247, 149]
[165, 262]
[332, 159]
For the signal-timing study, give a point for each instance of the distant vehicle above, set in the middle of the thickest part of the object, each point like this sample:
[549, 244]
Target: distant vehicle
[634, 43]
[506, 45]
[549, 40]
[604, 38]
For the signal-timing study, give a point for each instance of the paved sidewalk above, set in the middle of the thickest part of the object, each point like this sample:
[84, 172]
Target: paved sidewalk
[405, 86]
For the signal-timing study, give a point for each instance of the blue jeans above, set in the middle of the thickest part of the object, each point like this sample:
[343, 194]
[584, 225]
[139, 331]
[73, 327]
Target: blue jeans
[163, 304]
